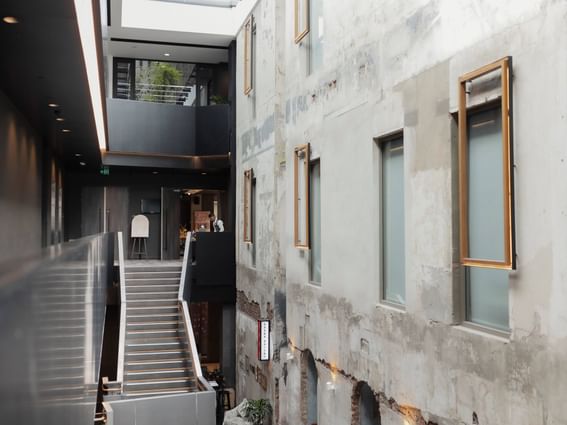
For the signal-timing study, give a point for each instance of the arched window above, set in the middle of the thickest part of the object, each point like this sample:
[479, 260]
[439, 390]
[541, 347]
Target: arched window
[366, 404]
[309, 386]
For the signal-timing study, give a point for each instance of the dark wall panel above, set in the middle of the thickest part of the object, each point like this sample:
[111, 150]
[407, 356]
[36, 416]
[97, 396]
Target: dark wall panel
[213, 130]
[150, 127]
[20, 184]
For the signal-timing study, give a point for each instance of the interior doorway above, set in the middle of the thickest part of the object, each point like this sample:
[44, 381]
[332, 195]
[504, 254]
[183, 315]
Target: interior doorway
[185, 210]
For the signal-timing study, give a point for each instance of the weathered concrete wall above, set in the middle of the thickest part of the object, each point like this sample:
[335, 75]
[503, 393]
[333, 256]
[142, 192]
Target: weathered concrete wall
[391, 66]
[20, 184]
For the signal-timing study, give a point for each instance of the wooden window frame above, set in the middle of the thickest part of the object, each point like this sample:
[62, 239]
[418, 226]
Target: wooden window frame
[509, 263]
[248, 65]
[305, 149]
[300, 35]
[247, 207]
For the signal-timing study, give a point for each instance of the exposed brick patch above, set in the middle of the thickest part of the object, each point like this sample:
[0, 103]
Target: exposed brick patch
[410, 412]
[303, 387]
[247, 306]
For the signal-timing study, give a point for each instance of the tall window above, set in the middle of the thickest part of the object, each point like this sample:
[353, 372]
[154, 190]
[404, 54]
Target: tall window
[247, 203]
[248, 54]
[301, 196]
[486, 193]
[316, 33]
[253, 222]
[315, 220]
[393, 215]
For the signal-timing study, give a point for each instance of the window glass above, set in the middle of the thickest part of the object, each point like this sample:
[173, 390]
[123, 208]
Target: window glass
[315, 220]
[485, 191]
[316, 35]
[253, 222]
[487, 297]
[301, 194]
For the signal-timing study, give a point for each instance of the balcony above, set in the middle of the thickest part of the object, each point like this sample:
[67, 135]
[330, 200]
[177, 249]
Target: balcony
[172, 113]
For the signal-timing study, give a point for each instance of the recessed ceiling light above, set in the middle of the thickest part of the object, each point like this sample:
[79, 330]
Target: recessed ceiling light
[167, 54]
[78, 155]
[66, 130]
[155, 172]
[60, 119]
[10, 20]
[53, 105]
[83, 163]
[203, 174]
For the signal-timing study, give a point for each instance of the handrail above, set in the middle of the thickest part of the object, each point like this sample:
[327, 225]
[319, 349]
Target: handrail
[122, 332]
[186, 317]
[185, 268]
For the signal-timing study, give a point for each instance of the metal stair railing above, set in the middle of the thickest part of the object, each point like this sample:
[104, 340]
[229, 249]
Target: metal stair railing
[183, 299]
[117, 386]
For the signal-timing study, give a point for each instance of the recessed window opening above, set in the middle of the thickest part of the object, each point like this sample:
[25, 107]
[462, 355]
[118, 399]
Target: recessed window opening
[393, 220]
[301, 196]
[315, 220]
[486, 193]
[247, 204]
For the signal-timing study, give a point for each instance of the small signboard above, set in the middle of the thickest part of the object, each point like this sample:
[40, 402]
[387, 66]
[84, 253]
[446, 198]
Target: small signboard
[264, 342]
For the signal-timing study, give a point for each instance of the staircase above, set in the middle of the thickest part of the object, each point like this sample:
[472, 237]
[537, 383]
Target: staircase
[156, 358]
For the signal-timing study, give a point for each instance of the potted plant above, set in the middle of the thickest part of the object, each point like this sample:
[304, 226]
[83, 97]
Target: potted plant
[257, 411]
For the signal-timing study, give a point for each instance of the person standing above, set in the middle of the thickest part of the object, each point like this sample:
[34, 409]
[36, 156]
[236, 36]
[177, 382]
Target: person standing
[217, 224]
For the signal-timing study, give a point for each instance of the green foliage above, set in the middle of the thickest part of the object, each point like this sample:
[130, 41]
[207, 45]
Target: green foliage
[158, 75]
[165, 74]
[256, 411]
[219, 100]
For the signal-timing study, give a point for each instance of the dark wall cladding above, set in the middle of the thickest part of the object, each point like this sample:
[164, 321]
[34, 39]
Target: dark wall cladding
[157, 128]
[20, 184]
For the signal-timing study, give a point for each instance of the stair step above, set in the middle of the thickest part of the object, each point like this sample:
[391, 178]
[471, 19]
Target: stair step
[166, 344]
[157, 317]
[139, 280]
[154, 339]
[156, 325]
[136, 289]
[152, 274]
[140, 355]
[145, 393]
[152, 296]
[145, 269]
[155, 333]
[152, 303]
[138, 365]
[159, 384]
[153, 309]
[158, 374]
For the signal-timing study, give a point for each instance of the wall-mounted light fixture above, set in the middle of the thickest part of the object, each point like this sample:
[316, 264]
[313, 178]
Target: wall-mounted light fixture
[330, 386]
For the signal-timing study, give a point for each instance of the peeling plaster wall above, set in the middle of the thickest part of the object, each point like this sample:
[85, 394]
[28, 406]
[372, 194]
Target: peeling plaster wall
[389, 66]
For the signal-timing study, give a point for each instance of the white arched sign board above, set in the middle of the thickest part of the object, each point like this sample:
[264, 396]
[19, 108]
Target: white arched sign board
[140, 227]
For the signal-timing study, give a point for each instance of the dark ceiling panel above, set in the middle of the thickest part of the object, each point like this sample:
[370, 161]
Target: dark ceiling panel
[42, 62]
